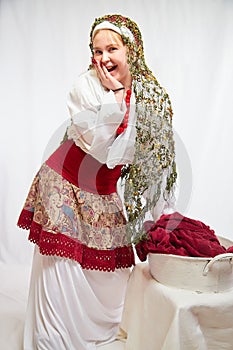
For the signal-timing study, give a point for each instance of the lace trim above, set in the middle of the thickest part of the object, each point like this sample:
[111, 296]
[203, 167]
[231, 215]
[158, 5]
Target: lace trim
[66, 247]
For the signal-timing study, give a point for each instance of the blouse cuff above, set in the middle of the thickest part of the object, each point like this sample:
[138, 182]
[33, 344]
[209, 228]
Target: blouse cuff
[110, 99]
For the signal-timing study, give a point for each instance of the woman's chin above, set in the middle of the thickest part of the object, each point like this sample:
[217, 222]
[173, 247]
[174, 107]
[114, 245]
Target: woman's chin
[115, 74]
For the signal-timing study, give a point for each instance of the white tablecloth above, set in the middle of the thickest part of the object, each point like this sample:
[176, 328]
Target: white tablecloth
[157, 317]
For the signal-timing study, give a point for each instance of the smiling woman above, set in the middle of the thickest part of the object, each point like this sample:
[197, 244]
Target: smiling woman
[110, 53]
[120, 128]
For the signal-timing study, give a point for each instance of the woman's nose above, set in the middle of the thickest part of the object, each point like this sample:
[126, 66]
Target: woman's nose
[105, 57]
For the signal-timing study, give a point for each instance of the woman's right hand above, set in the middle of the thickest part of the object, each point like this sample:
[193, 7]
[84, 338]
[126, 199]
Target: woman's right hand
[107, 80]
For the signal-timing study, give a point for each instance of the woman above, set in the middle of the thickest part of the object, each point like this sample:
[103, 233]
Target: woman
[73, 210]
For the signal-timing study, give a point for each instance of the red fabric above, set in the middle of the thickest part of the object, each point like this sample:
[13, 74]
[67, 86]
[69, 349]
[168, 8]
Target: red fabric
[61, 245]
[179, 235]
[83, 170]
[124, 124]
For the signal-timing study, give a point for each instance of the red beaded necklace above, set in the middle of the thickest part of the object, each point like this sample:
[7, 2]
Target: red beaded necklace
[124, 123]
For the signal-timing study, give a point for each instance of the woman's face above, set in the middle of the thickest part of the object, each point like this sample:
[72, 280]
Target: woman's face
[110, 51]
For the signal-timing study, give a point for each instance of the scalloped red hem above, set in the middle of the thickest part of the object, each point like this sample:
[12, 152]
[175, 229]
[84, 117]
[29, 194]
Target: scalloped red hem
[61, 245]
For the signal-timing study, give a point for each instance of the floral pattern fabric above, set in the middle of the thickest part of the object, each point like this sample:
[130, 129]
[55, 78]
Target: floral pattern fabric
[59, 206]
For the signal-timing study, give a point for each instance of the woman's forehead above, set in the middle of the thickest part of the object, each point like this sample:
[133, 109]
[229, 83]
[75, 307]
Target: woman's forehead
[106, 36]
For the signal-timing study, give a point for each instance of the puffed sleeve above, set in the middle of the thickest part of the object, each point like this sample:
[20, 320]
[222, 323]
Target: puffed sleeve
[95, 116]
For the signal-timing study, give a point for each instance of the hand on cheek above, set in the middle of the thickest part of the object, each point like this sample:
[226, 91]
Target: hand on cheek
[107, 80]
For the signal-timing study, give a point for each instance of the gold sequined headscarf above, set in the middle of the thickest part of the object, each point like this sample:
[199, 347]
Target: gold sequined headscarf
[154, 156]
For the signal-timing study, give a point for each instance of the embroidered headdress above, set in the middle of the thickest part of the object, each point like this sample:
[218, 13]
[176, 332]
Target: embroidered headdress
[154, 157]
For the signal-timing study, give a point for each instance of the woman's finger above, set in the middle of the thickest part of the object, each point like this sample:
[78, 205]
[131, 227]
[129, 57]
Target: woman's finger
[106, 72]
[105, 77]
[100, 71]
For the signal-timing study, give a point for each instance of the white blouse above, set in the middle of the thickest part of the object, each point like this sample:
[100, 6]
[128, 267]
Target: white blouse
[95, 116]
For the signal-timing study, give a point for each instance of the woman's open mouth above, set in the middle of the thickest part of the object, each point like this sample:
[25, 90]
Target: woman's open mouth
[111, 69]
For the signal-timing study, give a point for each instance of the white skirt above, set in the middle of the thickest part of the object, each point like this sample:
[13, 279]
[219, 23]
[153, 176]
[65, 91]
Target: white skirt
[70, 308]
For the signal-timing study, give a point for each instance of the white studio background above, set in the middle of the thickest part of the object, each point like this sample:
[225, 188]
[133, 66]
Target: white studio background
[188, 46]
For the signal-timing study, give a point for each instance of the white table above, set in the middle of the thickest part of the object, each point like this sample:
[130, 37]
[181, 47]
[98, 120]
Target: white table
[157, 317]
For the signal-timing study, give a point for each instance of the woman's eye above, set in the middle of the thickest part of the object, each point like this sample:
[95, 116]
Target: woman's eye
[112, 49]
[98, 52]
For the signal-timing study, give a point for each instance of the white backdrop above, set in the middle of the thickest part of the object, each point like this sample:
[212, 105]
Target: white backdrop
[188, 46]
